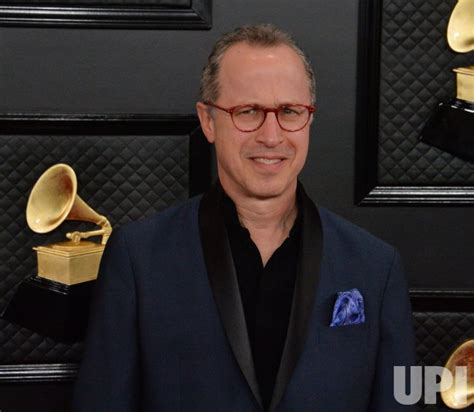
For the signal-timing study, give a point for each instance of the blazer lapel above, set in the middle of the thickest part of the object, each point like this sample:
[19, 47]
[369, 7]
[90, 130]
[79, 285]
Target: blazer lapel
[224, 283]
[307, 279]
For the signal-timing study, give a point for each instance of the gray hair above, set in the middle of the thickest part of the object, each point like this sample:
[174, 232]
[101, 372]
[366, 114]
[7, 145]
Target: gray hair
[264, 35]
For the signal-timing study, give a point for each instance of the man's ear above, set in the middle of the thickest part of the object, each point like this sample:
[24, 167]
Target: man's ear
[206, 120]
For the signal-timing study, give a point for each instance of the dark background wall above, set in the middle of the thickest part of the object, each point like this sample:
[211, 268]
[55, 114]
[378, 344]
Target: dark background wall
[57, 70]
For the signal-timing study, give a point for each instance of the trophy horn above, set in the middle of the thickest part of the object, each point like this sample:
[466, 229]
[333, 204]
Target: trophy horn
[461, 27]
[54, 199]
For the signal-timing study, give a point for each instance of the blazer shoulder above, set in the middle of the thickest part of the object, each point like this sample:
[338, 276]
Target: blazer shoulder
[352, 238]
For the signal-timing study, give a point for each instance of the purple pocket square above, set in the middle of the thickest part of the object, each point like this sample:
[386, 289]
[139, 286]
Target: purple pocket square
[348, 309]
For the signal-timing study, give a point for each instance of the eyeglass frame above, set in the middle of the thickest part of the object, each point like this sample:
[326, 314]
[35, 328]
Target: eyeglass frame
[266, 110]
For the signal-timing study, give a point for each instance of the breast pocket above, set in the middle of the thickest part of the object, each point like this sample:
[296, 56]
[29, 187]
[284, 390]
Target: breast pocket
[344, 334]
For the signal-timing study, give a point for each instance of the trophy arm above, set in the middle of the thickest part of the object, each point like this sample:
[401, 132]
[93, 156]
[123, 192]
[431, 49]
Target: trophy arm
[105, 232]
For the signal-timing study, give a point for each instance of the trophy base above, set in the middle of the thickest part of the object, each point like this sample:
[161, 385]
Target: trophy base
[451, 128]
[69, 263]
[51, 309]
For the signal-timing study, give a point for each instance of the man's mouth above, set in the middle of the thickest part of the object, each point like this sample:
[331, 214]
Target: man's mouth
[267, 161]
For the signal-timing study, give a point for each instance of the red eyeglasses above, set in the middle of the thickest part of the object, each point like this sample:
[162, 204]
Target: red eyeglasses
[248, 118]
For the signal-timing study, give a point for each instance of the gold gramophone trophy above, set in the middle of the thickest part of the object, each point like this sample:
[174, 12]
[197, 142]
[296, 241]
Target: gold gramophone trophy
[53, 200]
[461, 40]
[451, 126]
[459, 396]
[56, 301]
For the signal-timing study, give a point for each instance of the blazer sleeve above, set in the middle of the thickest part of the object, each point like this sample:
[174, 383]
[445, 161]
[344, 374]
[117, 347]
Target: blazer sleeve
[109, 373]
[397, 340]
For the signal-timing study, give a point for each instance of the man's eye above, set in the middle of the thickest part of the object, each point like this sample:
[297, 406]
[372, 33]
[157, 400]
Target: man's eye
[247, 111]
[290, 111]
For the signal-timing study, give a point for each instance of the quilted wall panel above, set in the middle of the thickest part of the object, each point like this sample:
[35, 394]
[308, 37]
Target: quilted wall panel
[123, 177]
[415, 74]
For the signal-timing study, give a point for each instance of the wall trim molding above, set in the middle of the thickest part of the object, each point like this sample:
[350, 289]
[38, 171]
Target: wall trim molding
[38, 373]
[422, 196]
[442, 300]
[198, 16]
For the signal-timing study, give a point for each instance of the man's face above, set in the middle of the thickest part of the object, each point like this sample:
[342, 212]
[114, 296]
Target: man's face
[264, 163]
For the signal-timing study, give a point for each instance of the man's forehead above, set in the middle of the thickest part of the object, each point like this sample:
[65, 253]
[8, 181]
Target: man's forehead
[254, 53]
[252, 70]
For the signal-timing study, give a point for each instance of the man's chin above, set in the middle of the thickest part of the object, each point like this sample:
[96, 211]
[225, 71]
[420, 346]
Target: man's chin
[258, 187]
[269, 190]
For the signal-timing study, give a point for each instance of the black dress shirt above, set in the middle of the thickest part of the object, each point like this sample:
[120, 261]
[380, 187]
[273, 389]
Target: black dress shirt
[266, 293]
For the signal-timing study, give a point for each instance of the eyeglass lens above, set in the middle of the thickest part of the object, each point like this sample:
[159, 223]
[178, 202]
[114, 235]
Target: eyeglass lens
[290, 117]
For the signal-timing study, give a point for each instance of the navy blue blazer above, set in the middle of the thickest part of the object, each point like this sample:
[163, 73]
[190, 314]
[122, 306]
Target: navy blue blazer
[167, 329]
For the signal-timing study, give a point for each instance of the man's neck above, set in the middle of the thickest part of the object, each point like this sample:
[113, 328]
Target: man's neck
[269, 221]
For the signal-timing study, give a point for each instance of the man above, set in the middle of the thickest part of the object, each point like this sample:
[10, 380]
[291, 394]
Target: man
[249, 298]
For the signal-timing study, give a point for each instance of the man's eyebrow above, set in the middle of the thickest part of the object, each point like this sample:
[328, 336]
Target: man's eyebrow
[249, 103]
[284, 103]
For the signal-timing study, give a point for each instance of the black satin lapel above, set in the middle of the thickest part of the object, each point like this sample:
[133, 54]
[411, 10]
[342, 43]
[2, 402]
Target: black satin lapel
[224, 283]
[307, 279]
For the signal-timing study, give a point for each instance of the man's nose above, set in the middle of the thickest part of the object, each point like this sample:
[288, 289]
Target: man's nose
[270, 133]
